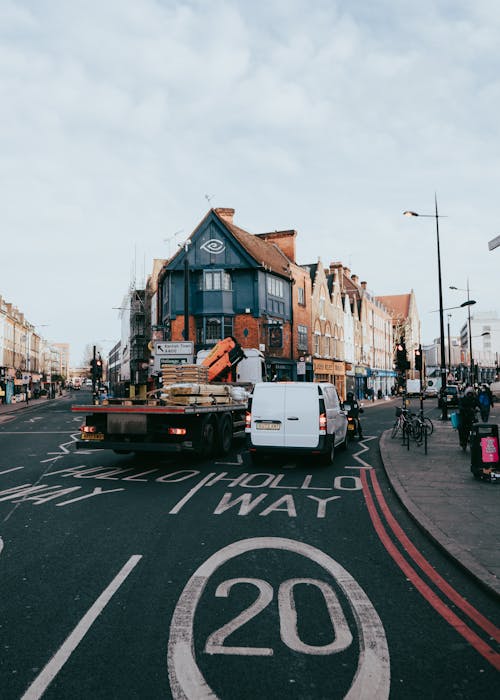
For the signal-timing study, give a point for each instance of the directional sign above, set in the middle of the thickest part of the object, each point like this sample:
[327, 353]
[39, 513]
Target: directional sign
[174, 348]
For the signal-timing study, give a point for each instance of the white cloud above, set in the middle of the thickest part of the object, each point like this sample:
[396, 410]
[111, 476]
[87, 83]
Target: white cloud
[117, 118]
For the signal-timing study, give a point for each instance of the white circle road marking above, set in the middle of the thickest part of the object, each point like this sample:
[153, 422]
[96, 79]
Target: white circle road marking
[372, 678]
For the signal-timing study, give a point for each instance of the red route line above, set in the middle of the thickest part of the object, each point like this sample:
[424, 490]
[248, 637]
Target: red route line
[420, 560]
[474, 640]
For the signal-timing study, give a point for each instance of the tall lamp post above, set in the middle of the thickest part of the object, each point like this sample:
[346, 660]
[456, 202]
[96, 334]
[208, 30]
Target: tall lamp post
[471, 360]
[449, 345]
[444, 409]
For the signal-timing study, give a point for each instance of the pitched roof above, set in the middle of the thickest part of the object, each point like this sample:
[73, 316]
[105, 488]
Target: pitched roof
[397, 304]
[266, 254]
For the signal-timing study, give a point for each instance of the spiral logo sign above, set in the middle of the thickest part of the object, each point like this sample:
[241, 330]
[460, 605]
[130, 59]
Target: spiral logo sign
[213, 246]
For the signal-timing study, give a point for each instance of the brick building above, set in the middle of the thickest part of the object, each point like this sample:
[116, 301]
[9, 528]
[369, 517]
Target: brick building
[226, 281]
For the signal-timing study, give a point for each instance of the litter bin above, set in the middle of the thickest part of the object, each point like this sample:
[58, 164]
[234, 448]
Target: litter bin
[485, 460]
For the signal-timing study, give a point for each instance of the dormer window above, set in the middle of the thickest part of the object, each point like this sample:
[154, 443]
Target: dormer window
[216, 280]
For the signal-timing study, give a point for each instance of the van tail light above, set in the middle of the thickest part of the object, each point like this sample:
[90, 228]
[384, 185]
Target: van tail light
[322, 423]
[248, 420]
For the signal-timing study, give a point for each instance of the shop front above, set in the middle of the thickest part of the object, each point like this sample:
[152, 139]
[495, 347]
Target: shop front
[333, 372]
[360, 375]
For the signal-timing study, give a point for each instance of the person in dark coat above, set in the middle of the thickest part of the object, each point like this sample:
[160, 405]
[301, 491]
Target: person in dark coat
[485, 400]
[468, 405]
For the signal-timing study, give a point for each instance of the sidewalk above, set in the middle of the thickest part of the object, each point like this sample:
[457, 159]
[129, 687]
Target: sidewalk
[7, 409]
[438, 490]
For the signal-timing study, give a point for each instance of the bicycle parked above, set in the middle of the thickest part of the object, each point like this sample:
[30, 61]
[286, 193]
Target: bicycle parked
[411, 424]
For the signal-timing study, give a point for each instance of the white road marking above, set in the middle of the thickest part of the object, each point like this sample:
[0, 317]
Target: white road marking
[363, 449]
[372, 677]
[47, 675]
[190, 494]
[14, 469]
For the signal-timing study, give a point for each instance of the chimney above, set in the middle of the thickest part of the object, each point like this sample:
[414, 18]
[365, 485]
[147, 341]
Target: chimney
[363, 285]
[285, 240]
[226, 214]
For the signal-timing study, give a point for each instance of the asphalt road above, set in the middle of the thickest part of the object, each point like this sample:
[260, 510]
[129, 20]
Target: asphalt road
[153, 577]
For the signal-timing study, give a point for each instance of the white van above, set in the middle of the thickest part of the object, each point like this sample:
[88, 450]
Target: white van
[300, 417]
[495, 390]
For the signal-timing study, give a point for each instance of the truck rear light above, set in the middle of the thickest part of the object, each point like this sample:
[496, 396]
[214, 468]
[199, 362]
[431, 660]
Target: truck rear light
[322, 423]
[88, 429]
[176, 431]
[248, 420]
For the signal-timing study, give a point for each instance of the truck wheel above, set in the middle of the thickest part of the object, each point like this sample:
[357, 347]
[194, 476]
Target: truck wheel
[225, 436]
[207, 439]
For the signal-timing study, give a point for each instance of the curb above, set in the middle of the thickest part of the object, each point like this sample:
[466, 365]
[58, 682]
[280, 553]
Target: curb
[451, 547]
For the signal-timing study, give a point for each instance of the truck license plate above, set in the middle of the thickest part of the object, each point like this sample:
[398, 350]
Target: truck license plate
[268, 426]
[93, 436]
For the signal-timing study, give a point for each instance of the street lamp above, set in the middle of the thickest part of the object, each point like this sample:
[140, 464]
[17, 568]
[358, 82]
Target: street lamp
[449, 345]
[468, 303]
[444, 410]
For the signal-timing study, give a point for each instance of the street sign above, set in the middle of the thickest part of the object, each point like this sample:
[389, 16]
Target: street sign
[172, 352]
[301, 368]
[174, 348]
[494, 243]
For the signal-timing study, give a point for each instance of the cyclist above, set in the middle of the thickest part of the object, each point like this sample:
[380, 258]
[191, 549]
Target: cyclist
[467, 411]
[353, 411]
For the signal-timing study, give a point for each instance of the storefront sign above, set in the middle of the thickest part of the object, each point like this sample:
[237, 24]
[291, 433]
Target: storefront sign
[324, 366]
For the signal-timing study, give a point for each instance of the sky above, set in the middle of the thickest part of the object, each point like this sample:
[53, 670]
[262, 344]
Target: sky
[122, 122]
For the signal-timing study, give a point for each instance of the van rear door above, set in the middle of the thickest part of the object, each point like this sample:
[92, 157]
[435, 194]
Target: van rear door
[268, 415]
[301, 415]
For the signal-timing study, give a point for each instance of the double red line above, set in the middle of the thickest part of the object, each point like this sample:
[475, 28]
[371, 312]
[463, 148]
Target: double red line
[441, 607]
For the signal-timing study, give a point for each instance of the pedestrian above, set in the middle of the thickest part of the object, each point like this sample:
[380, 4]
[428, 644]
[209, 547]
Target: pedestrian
[468, 405]
[485, 400]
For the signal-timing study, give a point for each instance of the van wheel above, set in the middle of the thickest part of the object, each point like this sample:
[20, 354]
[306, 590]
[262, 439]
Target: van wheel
[327, 458]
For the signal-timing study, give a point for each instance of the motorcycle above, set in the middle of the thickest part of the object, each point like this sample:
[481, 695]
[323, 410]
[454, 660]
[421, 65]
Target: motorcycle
[353, 425]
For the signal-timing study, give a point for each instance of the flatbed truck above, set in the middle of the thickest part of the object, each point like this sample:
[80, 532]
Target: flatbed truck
[133, 426]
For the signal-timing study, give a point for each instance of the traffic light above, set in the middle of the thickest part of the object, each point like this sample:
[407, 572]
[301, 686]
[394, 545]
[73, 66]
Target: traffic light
[98, 368]
[418, 358]
[401, 357]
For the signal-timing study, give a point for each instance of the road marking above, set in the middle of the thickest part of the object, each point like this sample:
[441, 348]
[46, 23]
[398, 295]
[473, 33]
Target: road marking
[191, 493]
[47, 675]
[364, 448]
[417, 557]
[372, 677]
[446, 613]
[14, 469]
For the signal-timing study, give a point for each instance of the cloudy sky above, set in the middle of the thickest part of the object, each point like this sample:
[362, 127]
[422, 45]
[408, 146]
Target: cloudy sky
[330, 117]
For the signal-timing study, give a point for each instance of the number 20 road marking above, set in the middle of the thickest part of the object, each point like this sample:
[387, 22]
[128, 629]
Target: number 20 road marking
[288, 619]
[372, 676]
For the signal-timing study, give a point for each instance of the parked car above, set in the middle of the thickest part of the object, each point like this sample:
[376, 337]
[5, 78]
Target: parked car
[495, 390]
[450, 396]
[298, 417]
[432, 389]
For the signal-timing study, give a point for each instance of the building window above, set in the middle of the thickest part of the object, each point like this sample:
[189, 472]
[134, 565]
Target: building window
[322, 307]
[301, 292]
[211, 329]
[302, 337]
[317, 338]
[216, 280]
[275, 287]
